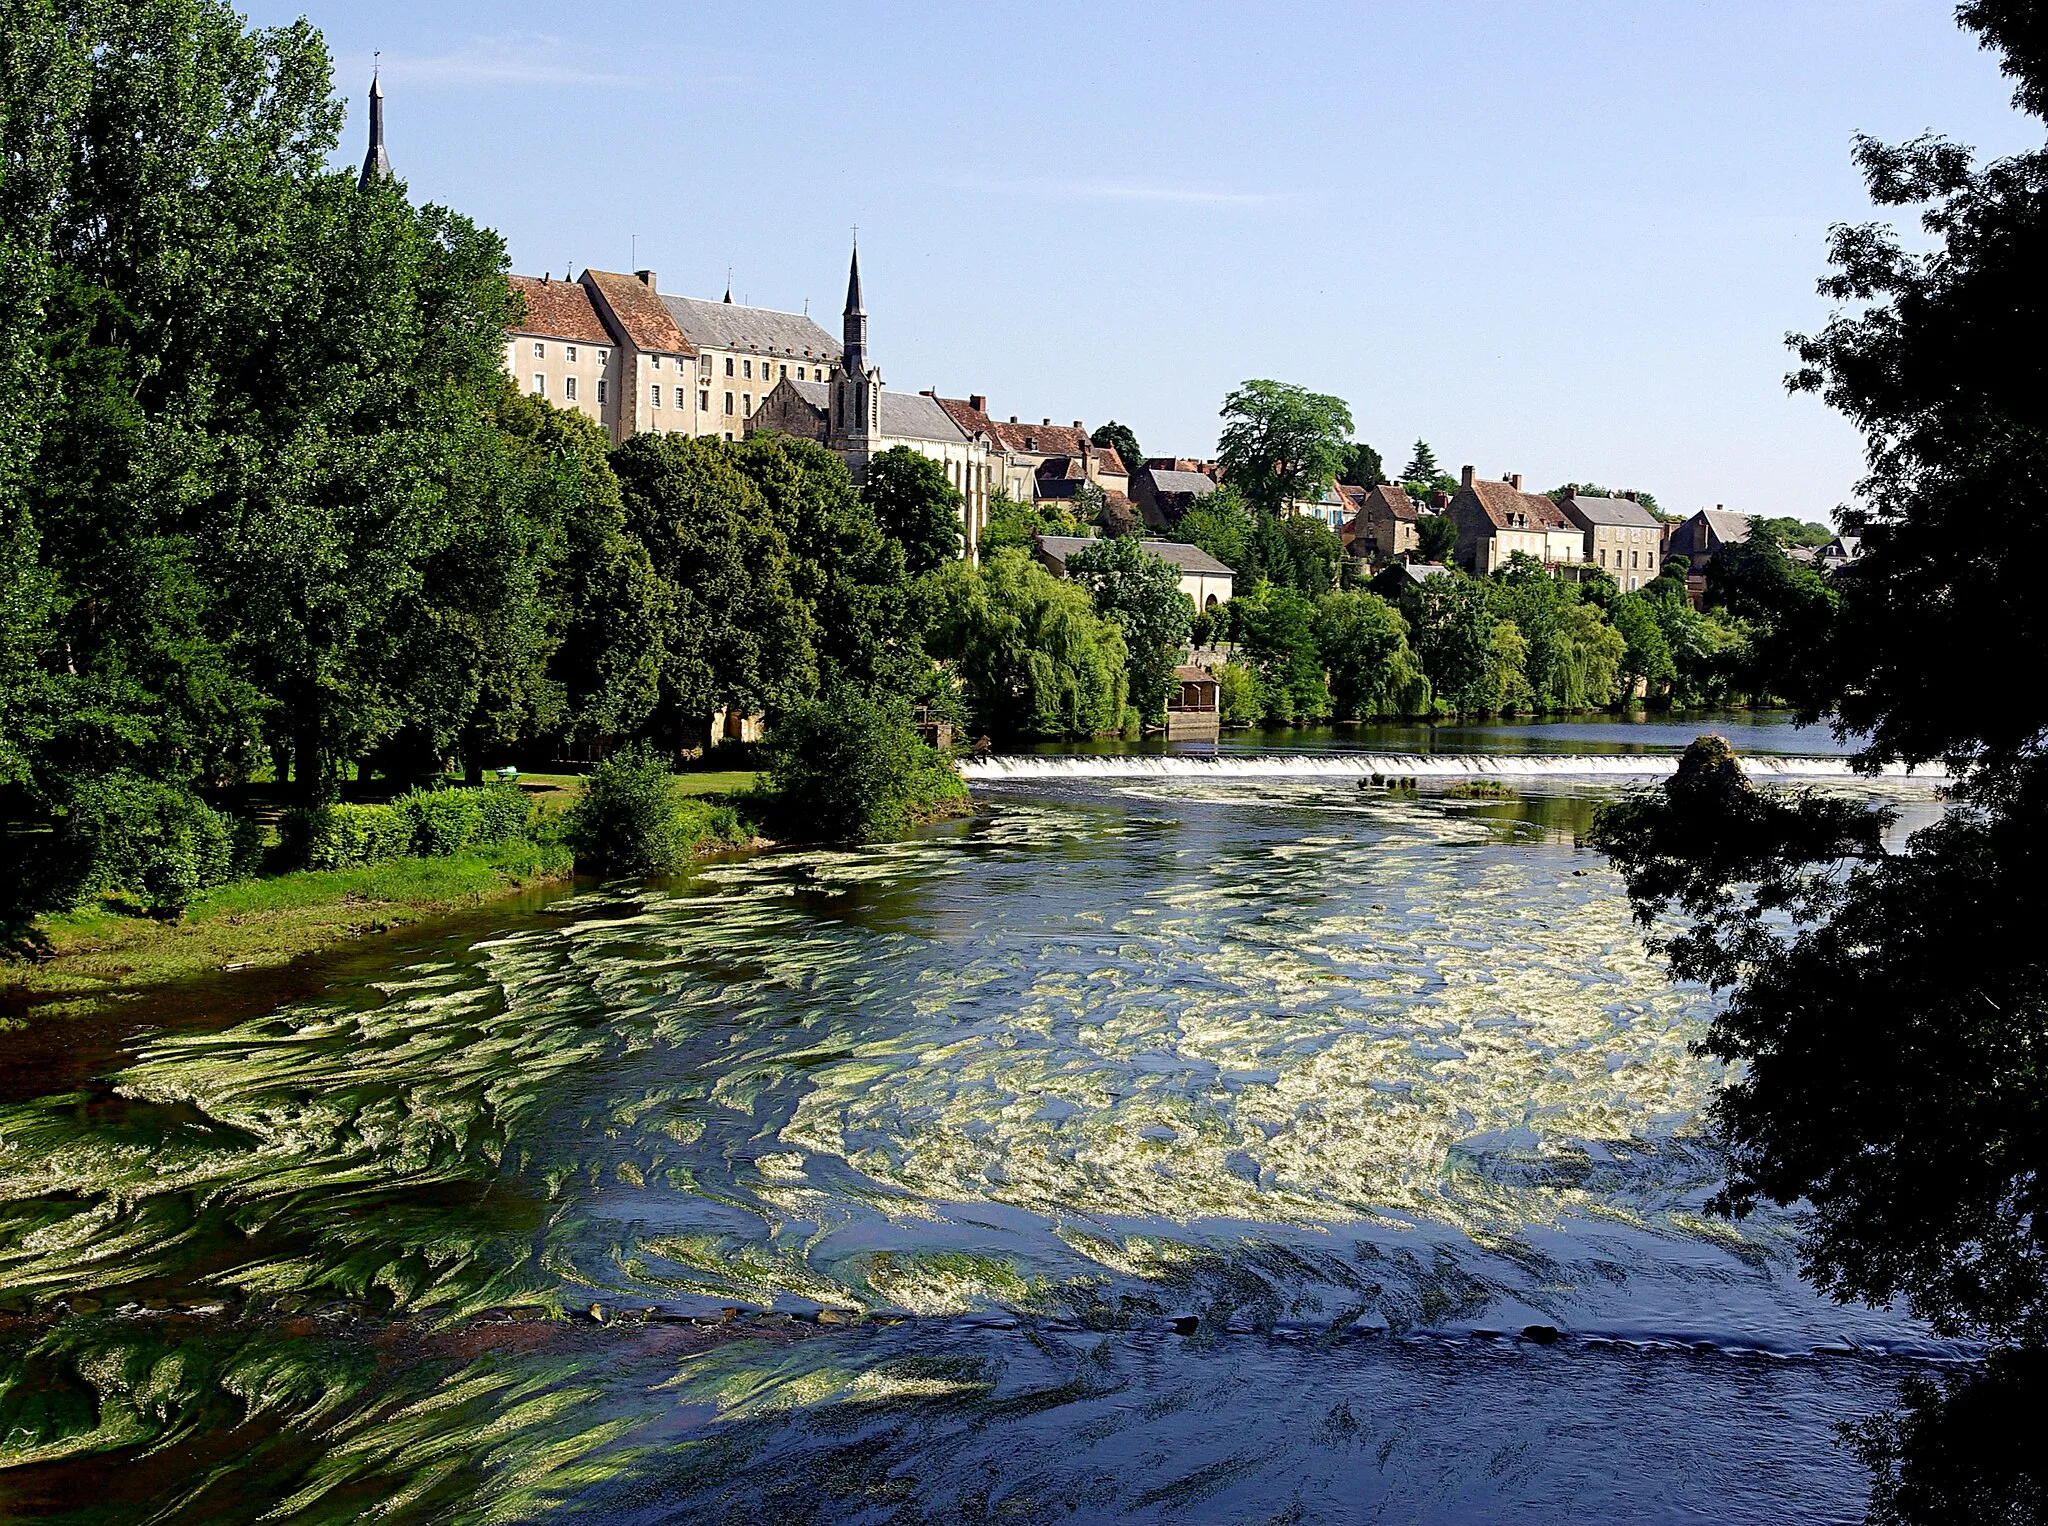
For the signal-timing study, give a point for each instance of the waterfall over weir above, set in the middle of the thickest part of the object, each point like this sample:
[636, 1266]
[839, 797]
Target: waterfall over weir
[1417, 765]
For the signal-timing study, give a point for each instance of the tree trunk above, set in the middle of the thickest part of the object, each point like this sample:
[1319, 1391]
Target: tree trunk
[309, 756]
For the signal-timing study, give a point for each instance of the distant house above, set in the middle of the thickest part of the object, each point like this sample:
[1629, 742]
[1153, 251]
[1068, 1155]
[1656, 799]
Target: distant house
[1383, 522]
[1403, 578]
[1164, 489]
[1497, 520]
[1698, 538]
[1839, 553]
[1041, 461]
[1622, 536]
[1332, 510]
[1202, 578]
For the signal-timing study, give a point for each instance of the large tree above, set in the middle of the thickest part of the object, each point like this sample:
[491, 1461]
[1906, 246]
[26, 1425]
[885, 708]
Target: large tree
[1122, 439]
[1282, 443]
[1890, 1020]
[1141, 593]
[916, 505]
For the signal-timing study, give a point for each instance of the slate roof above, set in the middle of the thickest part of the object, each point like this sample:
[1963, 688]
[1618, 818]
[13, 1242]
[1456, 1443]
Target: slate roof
[1418, 572]
[1610, 511]
[1180, 482]
[558, 310]
[1730, 529]
[1172, 552]
[763, 330]
[905, 415]
[638, 312]
[1502, 503]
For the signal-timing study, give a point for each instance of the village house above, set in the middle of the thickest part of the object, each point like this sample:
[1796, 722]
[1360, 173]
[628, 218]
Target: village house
[1206, 581]
[1383, 521]
[1698, 538]
[1044, 461]
[1497, 520]
[562, 351]
[1404, 578]
[1621, 536]
[1166, 487]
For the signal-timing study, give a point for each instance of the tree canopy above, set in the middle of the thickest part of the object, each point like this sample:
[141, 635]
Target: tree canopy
[1121, 439]
[1282, 443]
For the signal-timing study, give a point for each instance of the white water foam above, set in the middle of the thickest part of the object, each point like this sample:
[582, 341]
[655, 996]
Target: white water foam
[1003, 769]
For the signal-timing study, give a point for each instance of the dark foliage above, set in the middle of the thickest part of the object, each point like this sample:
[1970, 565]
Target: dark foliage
[850, 767]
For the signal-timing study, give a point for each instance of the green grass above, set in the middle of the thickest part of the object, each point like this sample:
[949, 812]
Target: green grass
[731, 782]
[106, 953]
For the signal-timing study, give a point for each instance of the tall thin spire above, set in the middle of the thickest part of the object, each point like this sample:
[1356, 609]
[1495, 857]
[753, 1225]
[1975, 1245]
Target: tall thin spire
[376, 163]
[854, 322]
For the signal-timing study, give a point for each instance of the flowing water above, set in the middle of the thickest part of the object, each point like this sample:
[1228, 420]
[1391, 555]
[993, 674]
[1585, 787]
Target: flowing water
[1182, 1139]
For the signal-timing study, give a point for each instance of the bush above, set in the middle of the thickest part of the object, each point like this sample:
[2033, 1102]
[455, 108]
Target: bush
[440, 822]
[1238, 695]
[346, 836]
[155, 840]
[503, 813]
[851, 768]
[630, 820]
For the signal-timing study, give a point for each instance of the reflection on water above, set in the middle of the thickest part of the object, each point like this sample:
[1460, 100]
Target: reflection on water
[1179, 1149]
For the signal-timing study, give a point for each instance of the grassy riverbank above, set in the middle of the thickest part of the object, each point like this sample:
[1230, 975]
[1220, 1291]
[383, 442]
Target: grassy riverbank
[107, 952]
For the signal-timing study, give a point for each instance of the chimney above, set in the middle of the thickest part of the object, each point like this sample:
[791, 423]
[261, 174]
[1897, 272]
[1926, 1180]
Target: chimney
[1045, 423]
[1717, 508]
[1083, 428]
[1630, 495]
[977, 402]
[1465, 477]
[1514, 480]
[1571, 490]
[646, 278]
[1013, 418]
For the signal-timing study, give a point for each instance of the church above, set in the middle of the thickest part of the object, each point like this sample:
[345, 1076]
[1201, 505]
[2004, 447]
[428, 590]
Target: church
[855, 417]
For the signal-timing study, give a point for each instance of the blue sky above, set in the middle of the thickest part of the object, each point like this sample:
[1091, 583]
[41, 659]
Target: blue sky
[1561, 239]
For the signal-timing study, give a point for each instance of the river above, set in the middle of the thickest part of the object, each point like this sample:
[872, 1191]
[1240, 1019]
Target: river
[1203, 1135]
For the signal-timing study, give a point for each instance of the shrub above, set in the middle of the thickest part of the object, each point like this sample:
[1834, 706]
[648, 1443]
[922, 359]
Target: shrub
[503, 813]
[440, 822]
[155, 840]
[1238, 695]
[630, 820]
[851, 768]
[346, 836]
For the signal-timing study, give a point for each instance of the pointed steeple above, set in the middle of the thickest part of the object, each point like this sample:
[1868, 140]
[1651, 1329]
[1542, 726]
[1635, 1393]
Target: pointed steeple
[376, 163]
[854, 322]
[728, 296]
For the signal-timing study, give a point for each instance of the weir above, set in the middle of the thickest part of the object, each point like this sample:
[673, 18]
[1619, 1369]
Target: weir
[1419, 765]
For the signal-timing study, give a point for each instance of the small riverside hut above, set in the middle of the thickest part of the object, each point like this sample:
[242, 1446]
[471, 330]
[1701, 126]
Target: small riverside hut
[1194, 706]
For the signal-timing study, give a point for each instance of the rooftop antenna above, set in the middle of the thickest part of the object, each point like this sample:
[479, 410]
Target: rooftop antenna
[636, 253]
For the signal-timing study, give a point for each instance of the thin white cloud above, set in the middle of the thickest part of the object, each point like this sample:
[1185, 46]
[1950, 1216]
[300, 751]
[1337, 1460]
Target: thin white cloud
[520, 58]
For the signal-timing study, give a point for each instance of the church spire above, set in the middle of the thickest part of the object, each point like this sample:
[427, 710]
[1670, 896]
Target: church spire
[376, 163]
[854, 322]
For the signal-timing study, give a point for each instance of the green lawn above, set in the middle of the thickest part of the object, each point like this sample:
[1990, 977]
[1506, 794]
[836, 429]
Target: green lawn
[104, 953]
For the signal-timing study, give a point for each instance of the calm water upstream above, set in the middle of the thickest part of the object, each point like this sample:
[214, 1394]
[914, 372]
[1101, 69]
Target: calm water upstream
[1238, 1145]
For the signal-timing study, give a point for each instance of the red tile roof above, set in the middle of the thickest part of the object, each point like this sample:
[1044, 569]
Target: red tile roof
[639, 312]
[558, 310]
[1039, 439]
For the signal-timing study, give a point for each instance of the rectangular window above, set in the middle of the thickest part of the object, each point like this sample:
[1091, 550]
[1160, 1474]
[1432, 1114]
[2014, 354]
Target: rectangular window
[728, 402]
[569, 388]
[728, 365]
[604, 357]
[703, 401]
[656, 390]
[540, 384]
[785, 374]
[569, 353]
[747, 369]
[799, 373]
[747, 404]
[540, 350]
[704, 368]
[600, 392]
[1635, 558]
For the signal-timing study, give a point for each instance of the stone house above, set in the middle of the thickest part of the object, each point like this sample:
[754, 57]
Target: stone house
[1497, 520]
[1044, 460]
[1206, 581]
[1404, 578]
[562, 351]
[1698, 538]
[1621, 536]
[1383, 521]
[1164, 489]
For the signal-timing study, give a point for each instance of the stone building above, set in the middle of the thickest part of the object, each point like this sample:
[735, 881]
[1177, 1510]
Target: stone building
[741, 353]
[562, 351]
[1698, 538]
[1497, 520]
[1622, 536]
[1043, 461]
[854, 416]
[1383, 522]
[1206, 581]
[1164, 489]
